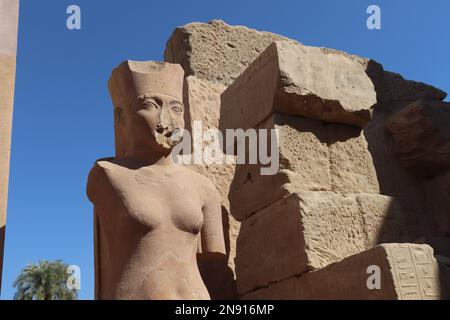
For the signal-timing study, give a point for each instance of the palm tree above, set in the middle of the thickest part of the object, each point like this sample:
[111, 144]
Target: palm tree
[45, 280]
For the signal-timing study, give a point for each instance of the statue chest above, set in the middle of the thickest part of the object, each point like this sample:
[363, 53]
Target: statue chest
[157, 199]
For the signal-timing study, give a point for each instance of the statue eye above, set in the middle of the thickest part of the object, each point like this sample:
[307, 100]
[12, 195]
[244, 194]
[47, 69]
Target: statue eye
[177, 108]
[150, 104]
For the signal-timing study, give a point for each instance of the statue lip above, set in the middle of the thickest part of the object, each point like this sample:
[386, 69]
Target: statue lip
[160, 129]
[165, 131]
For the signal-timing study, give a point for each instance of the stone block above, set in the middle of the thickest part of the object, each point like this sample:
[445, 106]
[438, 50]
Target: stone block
[421, 133]
[294, 79]
[303, 165]
[407, 272]
[308, 231]
[216, 51]
[351, 164]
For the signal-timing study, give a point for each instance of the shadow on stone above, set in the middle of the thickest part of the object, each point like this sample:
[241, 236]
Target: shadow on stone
[393, 179]
[417, 217]
[216, 274]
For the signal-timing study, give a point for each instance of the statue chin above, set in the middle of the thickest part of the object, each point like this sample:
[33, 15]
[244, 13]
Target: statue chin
[166, 142]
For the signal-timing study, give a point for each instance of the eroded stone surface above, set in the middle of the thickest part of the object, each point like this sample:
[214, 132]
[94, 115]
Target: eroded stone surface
[351, 164]
[314, 156]
[303, 165]
[392, 87]
[408, 272]
[395, 181]
[293, 79]
[421, 133]
[217, 54]
[215, 51]
[308, 231]
[383, 220]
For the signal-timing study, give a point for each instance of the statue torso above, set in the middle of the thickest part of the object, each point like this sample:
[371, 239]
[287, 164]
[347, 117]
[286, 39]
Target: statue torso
[150, 218]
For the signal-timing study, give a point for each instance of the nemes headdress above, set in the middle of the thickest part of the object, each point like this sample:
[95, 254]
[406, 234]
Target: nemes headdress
[134, 78]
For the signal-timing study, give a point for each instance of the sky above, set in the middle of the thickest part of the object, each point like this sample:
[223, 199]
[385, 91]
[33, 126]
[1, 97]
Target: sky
[63, 113]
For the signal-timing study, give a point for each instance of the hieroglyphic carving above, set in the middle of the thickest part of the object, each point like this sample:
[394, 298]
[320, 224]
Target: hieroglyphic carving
[415, 271]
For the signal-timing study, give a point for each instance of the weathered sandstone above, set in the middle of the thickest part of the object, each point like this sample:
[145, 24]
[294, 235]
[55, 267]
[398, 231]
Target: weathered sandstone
[216, 51]
[421, 133]
[308, 231]
[304, 165]
[293, 79]
[331, 109]
[407, 272]
[314, 156]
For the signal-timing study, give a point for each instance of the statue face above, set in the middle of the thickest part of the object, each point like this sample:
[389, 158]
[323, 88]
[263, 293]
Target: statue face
[156, 121]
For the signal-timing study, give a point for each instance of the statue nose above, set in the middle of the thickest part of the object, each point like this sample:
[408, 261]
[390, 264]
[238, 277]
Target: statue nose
[165, 122]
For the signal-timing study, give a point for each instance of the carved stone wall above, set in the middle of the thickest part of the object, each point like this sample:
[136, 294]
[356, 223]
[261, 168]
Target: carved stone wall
[346, 182]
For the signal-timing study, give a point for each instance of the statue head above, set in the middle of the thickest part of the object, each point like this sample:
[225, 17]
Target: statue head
[148, 104]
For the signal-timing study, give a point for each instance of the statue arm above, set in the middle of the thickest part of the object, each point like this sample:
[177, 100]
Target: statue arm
[212, 239]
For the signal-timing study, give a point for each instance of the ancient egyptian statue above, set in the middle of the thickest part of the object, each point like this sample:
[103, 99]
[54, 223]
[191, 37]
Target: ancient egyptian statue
[150, 212]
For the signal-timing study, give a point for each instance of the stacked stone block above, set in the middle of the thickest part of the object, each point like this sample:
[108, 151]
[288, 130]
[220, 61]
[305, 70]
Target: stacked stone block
[341, 188]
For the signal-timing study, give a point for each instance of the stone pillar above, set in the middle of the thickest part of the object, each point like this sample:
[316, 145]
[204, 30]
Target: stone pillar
[9, 13]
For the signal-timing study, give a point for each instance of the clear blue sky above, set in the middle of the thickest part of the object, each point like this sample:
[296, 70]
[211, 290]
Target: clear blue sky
[63, 113]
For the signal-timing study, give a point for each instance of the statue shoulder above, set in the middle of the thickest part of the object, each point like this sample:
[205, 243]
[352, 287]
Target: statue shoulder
[98, 176]
[101, 166]
[205, 183]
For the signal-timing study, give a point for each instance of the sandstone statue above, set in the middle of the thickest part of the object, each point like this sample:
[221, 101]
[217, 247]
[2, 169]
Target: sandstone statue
[152, 216]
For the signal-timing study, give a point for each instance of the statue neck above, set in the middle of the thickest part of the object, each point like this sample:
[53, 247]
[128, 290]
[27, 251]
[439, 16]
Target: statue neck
[151, 157]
